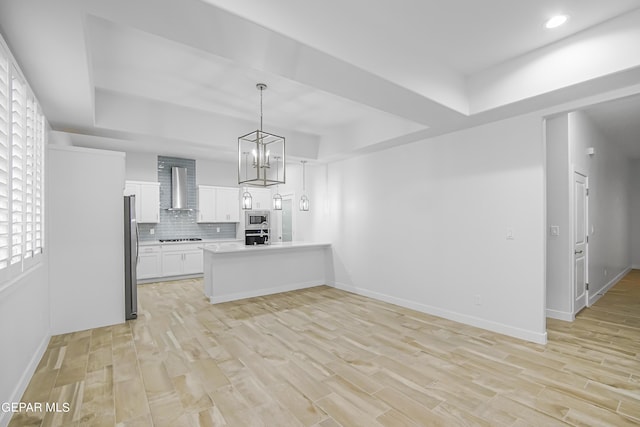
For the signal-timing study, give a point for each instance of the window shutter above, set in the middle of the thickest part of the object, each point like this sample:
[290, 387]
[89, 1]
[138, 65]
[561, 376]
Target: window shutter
[4, 160]
[39, 162]
[18, 137]
[29, 182]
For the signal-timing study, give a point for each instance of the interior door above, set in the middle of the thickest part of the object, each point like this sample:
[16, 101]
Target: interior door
[287, 223]
[580, 245]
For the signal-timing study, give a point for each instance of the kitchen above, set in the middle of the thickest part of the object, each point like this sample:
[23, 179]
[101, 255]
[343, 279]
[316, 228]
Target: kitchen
[415, 168]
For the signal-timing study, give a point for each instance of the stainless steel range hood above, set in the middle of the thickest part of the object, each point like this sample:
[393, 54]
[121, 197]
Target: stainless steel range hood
[179, 189]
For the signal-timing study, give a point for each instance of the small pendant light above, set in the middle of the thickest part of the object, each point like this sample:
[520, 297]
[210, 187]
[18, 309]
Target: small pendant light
[247, 201]
[277, 198]
[304, 200]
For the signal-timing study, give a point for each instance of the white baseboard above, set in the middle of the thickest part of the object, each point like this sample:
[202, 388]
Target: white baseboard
[536, 337]
[265, 291]
[560, 315]
[596, 296]
[18, 391]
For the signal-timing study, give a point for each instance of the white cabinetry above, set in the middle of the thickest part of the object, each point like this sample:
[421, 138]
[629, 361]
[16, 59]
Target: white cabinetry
[218, 204]
[206, 203]
[260, 198]
[149, 262]
[147, 200]
[182, 259]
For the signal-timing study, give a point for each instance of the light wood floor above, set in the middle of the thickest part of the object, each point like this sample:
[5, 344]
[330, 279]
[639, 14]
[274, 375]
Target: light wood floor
[323, 357]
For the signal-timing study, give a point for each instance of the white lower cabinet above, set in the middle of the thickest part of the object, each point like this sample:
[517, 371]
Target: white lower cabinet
[172, 263]
[160, 261]
[149, 262]
[182, 259]
[192, 262]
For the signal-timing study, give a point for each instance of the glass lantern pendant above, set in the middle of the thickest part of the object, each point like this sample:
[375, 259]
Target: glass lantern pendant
[277, 198]
[304, 200]
[262, 147]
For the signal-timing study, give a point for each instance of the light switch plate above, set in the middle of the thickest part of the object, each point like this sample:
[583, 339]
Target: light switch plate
[510, 235]
[555, 230]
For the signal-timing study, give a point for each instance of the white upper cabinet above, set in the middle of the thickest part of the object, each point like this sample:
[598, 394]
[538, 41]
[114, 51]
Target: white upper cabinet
[147, 200]
[261, 198]
[228, 204]
[206, 203]
[218, 204]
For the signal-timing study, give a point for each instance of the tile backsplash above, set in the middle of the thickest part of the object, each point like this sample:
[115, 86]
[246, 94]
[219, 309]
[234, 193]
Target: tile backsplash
[181, 224]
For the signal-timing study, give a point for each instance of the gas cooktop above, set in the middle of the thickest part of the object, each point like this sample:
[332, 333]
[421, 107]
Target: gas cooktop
[188, 239]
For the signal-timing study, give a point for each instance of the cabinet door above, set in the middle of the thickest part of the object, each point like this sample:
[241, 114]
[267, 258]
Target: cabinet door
[172, 263]
[149, 203]
[227, 204]
[149, 265]
[261, 198]
[206, 204]
[193, 262]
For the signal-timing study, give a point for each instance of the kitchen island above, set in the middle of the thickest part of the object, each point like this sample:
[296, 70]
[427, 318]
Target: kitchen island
[233, 271]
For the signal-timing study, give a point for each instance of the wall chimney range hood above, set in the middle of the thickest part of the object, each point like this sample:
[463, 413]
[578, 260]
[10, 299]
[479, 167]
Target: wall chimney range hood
[179, 189]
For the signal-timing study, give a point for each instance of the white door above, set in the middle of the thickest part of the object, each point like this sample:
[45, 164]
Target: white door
[580, 276]
[287, 220]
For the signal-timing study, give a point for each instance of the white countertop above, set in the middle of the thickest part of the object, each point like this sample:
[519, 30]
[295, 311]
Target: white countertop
[239, 247]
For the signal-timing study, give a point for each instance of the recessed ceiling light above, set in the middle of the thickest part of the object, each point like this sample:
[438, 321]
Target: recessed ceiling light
[556, 21]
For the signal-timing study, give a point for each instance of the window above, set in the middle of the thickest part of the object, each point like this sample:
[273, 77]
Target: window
[22, 141]
[4, 161]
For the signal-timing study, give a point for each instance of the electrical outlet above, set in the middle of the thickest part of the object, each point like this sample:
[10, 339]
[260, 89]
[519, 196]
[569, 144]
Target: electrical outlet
[555, 230]
[605, 272]
[217, 229]
[477, 300]
[152, 231]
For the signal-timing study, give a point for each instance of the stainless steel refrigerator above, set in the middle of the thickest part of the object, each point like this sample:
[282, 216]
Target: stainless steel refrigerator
[130, 258]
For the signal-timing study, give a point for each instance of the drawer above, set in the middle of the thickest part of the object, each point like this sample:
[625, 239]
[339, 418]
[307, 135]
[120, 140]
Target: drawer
[181, 247]
[149, 249]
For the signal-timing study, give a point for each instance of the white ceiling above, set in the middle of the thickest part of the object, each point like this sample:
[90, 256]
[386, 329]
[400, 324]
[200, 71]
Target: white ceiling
[178, 76]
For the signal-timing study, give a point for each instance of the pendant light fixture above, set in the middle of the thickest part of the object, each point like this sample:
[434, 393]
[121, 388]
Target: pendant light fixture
[262, 147]
[304, 200]
[247, 201]
[277, 198]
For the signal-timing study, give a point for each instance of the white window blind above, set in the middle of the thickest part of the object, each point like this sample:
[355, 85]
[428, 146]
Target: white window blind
[4, 161]
[29, 178]
[39, 165]
[22, 144]
[18, 141]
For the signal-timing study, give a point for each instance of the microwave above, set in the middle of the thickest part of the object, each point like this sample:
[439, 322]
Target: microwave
[255, 219]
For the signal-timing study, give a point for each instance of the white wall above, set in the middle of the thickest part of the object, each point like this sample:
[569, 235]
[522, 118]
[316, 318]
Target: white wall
[559, 248]
[216, 172]
[86, 237]
[141, 167]
[424, 225]
[24, 332]
[634, 188]
[609, 205]
[609, 179]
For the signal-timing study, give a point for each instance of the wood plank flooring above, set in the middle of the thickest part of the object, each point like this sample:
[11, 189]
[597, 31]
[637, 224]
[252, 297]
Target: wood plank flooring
[324, 357]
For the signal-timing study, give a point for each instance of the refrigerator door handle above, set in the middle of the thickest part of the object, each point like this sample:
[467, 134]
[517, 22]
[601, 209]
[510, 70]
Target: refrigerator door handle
[137, 244]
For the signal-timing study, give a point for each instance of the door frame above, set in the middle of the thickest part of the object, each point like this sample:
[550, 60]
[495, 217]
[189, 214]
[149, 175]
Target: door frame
[278, 219]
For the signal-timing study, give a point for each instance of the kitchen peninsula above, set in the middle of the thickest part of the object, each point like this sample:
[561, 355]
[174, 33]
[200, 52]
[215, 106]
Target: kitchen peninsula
[233, 271]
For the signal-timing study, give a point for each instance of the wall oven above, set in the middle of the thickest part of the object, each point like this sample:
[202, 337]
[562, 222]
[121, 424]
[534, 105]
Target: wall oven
[256, 227]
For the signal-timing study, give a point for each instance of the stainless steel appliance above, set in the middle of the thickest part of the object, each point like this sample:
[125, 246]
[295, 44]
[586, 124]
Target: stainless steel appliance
[130, 258]
[253, 219]
[179, 189]
[256, 228]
